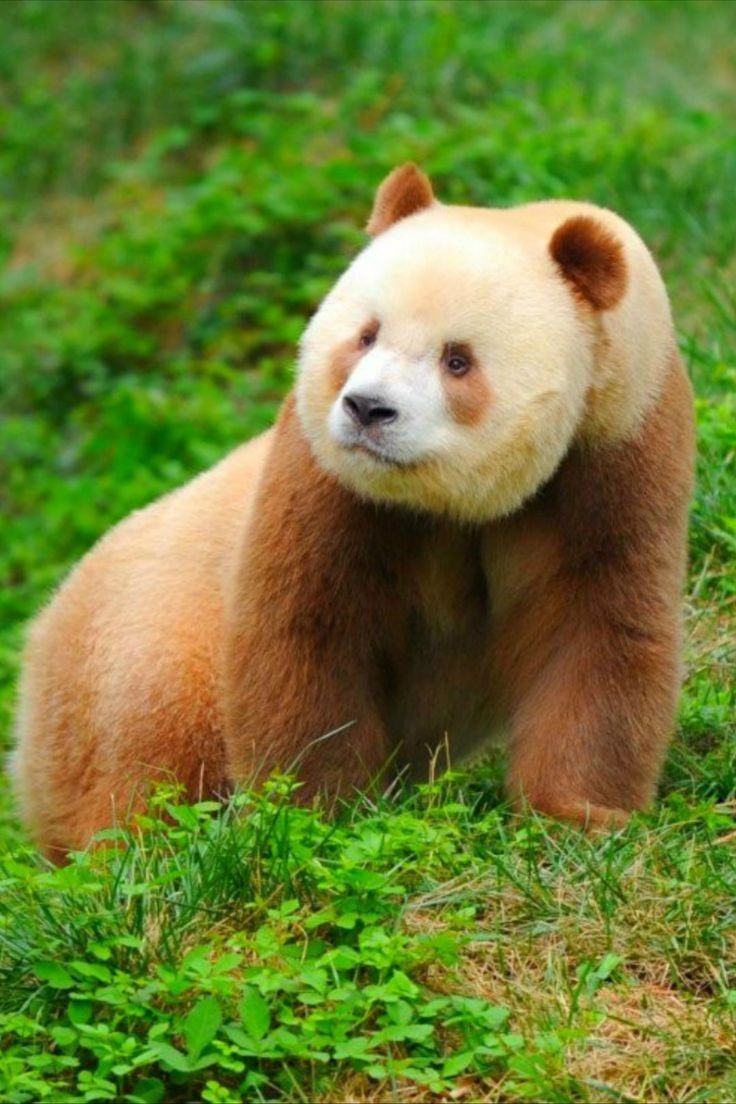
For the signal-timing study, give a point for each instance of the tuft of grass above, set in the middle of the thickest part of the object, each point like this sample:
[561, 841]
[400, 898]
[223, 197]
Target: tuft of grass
[180, 182]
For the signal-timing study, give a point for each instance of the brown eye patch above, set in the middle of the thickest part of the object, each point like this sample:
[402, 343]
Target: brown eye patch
[467, 392]
[346, 355]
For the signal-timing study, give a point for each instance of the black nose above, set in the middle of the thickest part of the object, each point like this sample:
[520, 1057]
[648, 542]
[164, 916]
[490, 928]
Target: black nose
[367, 410]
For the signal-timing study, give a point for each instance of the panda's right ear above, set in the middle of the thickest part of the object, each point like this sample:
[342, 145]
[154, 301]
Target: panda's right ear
[591, 260]
[404, 192]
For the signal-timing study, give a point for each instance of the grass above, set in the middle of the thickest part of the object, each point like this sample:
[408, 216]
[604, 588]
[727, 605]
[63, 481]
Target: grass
[416, 947]
[179, 184]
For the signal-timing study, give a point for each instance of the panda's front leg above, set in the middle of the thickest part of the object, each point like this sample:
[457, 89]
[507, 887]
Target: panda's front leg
[308, 604]
[590, 731]
[589, 641]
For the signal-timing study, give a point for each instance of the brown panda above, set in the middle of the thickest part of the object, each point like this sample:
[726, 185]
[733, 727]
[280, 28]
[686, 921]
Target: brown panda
[469, 522]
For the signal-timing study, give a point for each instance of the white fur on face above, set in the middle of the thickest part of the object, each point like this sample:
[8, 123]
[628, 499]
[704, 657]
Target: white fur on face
[409, 385]
[451, 275]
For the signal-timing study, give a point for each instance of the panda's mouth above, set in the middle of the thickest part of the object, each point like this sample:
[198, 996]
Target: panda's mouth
[376, 445]
[380, 449]
[376, 452]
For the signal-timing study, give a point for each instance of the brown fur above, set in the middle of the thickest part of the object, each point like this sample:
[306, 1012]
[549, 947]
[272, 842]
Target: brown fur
[404, 192]
[588, 644]
[591, 260]
[303, 631]
[575, 628]
[395, 629]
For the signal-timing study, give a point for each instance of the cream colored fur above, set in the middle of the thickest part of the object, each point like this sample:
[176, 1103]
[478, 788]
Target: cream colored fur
[131, 643]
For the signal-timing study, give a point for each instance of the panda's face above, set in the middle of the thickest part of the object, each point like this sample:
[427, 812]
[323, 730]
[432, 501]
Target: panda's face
[446, 370]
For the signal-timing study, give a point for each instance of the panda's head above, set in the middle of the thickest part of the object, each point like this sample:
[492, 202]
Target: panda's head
[451, 366]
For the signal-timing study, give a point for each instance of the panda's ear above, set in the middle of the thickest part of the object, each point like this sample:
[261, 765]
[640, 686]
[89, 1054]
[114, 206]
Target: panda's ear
[404, 192]
[591, 259]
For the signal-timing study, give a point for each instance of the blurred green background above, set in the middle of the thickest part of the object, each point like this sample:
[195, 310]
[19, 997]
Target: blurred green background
[180, 182]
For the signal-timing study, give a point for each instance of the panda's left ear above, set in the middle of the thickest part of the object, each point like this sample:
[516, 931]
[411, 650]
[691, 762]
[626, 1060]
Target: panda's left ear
[591, 260]
[404, 192]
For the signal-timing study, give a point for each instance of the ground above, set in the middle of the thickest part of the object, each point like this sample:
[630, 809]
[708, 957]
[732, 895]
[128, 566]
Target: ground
[179, 184]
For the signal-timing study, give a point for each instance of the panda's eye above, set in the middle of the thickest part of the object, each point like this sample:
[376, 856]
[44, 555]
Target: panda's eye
[368, 337]
[458, 360]
[458, 365]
